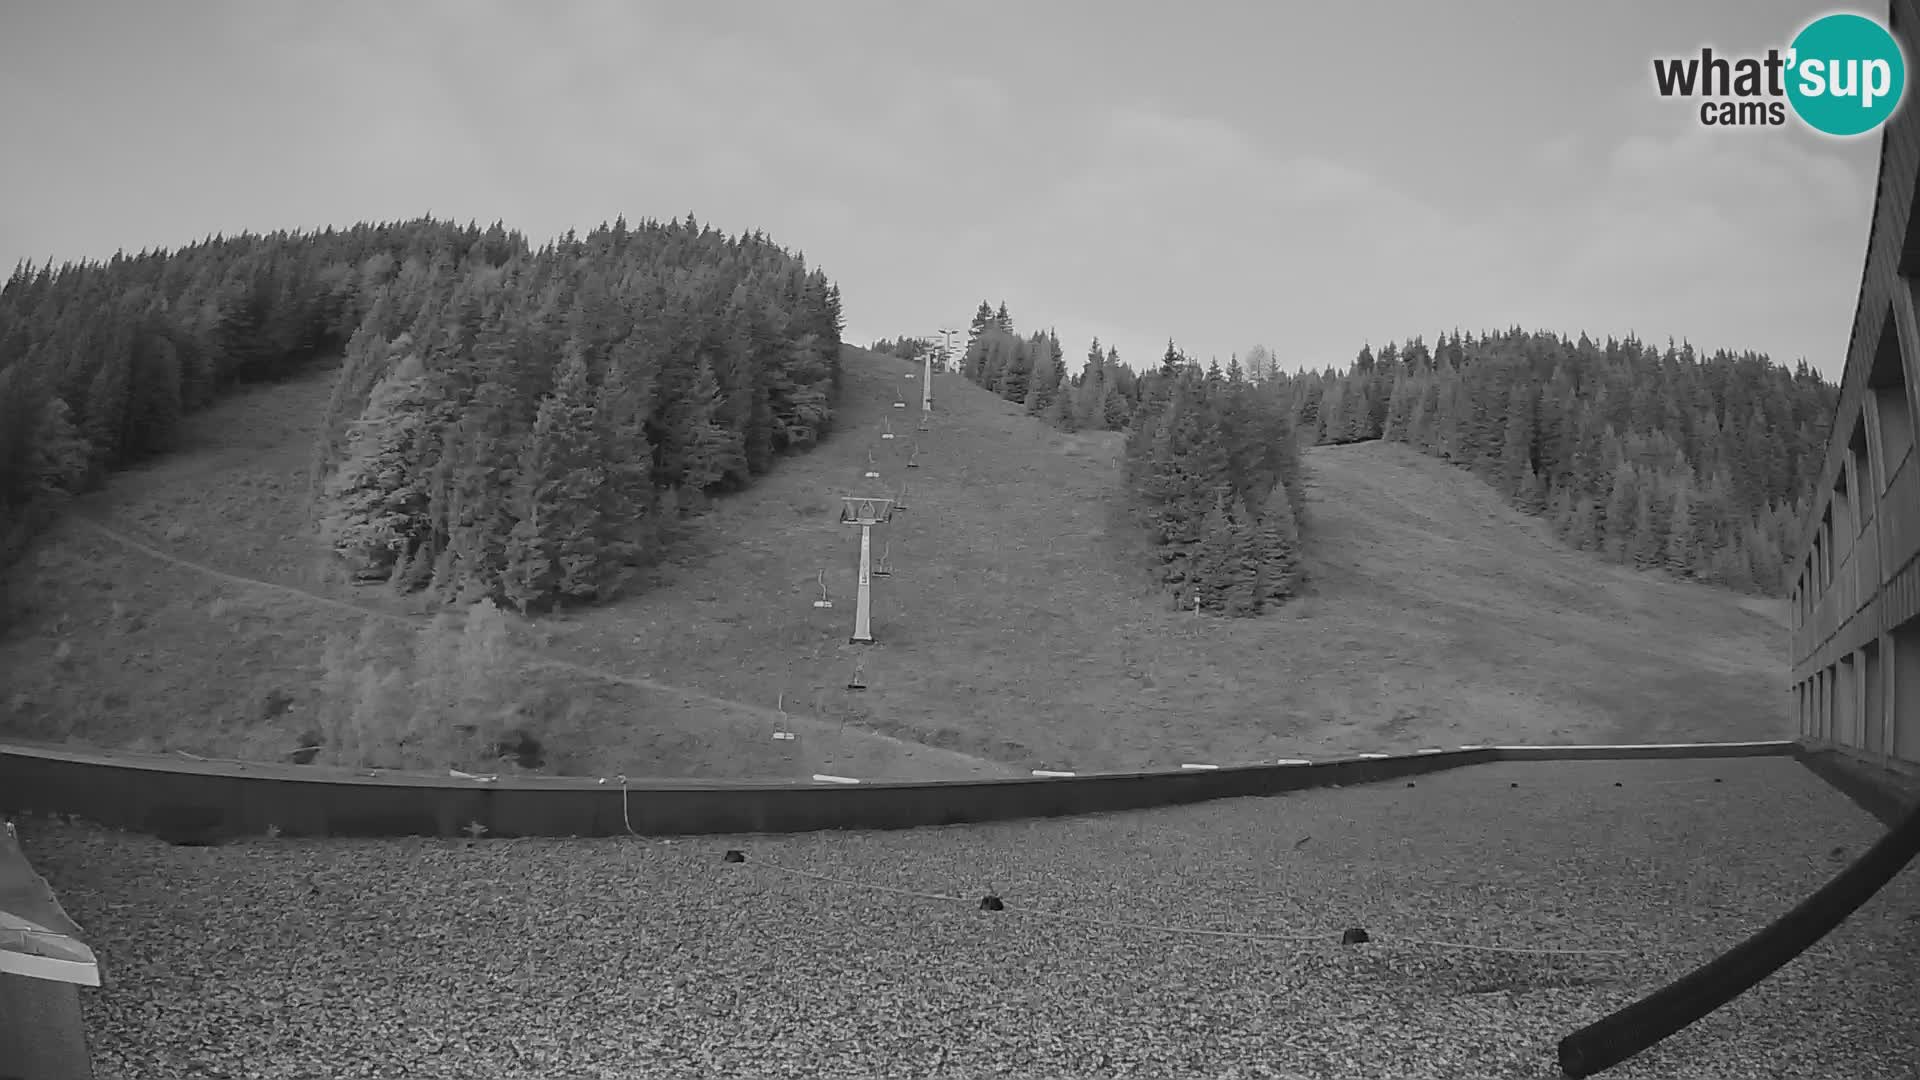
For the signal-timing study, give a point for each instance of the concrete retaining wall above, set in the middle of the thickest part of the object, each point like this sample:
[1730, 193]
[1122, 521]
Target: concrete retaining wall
[1888, 794]
[203, 801]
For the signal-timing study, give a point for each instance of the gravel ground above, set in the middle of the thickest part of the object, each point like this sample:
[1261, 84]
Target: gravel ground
[1170, 948]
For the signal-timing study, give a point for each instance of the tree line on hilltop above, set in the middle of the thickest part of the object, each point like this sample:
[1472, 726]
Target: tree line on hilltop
[1698, 465]
[512, 423]
[1212, 473]
[1031, 371]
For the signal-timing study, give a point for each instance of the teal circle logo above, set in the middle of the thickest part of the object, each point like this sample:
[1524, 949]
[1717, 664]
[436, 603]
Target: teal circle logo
[1846, 74]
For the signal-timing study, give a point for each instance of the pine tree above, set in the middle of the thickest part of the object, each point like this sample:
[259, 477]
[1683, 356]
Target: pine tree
[1170, 364]
[59, 455]
[377, 499]
[104, 422]
[1516, 461]
[1682, 540]
[1049, 380]
[476, 466]
[554, 552]
[1090, 396]
[626, 496]
[1616, 526]
[1328, 422]
[1116, 411]
[1154, 476]
[1400, 408]
[711, 451]
[1064, 414]
[983, 318]
[1420, 433]
[1214, 571]
[1241, 592]
[1645, 546]
[1357, 409]
[1277, 544]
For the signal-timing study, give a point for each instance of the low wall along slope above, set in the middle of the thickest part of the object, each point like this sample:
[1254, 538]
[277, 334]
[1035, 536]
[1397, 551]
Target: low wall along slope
[192, 801]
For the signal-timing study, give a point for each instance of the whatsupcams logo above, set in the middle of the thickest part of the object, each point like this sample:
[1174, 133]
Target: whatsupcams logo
[1843, 74]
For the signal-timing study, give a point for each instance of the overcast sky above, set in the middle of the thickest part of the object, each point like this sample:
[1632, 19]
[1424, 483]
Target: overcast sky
[1309, 176]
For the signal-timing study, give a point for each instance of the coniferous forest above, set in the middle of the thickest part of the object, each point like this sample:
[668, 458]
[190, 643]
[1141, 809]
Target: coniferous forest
[1697, 465]
[1213, 477]
[1032, 371]
[1212, 474]
[526, 424]
[509, 423]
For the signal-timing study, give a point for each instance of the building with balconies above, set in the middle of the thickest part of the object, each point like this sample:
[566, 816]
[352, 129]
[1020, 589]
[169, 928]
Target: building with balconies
[1856, 582]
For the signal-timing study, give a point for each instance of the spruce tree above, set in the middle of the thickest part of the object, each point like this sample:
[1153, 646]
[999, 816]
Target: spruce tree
[1516, 460]
[377, 500]
[1277, 546]
[1116, 411]
[1681, 549]
[1063, 414]
[1644, 548]
[1400, 404]
[710, 451]
[982, 319]
[480, 460]
[1327, 423]
[627, 495]
[1617, 524]
[554, 551]
[1243, 566]
[1090, 397]
[1420, 422]
[1212, 572]
[58, 463]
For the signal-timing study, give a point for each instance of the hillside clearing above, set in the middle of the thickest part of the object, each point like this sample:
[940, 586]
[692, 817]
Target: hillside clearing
[1015, 626]
[1014, 633]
